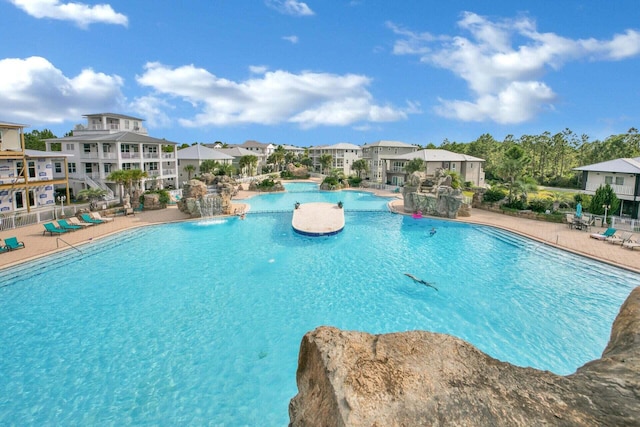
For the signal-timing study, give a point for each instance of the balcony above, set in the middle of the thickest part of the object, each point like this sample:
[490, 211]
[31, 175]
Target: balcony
[151, 155]
[130, 155]
[168, 155]
[620, 190]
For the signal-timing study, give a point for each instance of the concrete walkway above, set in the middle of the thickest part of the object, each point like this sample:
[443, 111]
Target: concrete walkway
[558, 235]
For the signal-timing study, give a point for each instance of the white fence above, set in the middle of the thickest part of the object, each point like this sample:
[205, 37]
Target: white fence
[22, 219]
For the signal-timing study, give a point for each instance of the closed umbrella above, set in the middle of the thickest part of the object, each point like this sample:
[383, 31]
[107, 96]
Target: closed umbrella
[579, 210]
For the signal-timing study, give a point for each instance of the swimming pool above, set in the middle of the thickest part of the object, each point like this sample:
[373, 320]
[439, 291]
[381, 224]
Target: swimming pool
[200, 322]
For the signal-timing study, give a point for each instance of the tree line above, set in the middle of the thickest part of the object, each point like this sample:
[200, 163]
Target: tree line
[550, 159]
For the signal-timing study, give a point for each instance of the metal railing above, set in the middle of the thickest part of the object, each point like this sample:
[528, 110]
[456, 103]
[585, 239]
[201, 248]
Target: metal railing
[23, 219]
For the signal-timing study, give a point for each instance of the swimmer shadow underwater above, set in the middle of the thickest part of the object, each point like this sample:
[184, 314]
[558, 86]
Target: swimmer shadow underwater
[422, 282]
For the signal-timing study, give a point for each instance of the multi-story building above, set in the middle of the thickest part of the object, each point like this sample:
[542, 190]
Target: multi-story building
[27, 176]
[376, 153]
[111, 142]
[622, 175]
[469, 168]
[342, 156]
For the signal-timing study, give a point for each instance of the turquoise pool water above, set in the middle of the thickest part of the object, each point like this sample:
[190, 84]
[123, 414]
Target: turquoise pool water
[200, 323]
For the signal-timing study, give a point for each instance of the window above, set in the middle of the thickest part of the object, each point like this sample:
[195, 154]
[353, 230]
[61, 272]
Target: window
[125, 148]
[88, 168]
[69, 147]
[57, 167]
[107, 168]
[87, 148]
[32, 169]
[126, 166]
[126, 124]
[608, 180]
[152, 167]
[106, 148]
[72, 168]
[19, 169]
[453, 166]
[619, 180]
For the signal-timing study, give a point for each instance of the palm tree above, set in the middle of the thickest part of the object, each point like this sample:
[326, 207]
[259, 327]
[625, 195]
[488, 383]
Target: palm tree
[249, 161]
[325, 161]
[360, 166]
[189, 169]
[120, 177]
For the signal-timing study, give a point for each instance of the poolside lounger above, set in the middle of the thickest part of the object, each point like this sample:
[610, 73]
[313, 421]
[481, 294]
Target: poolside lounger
[3, 249]
[66, 226]
[615, 239]
[51, 228]
[76, 221]
[603, 236]
[86, 218]
[631, 244]
[11, 244]
[96, 215]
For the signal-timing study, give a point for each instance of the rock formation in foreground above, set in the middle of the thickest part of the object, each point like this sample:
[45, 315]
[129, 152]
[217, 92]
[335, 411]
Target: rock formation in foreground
[427, 379]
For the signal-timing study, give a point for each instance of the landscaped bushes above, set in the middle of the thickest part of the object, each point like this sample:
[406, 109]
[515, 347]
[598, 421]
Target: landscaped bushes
[540, 204]
[494, 195]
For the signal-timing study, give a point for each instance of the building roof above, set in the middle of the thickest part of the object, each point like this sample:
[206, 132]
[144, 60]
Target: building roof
[117, 116]
[113, 137]
[338, 146]
[436, 155]
[236, 152]
[622, 165]
[251, 143]
[383, 143]
[200, 152]
[12, 125]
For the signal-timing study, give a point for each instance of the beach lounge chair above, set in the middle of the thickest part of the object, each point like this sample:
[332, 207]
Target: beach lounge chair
[632, 244]
[66, 226]
[96, 215]
[3, 249]
[87, 218]
[603, 236]
[11, 244]
[75, 221]
[615, 239]
[51, 228]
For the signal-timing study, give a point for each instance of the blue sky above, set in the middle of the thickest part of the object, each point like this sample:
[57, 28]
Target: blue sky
[326, 71]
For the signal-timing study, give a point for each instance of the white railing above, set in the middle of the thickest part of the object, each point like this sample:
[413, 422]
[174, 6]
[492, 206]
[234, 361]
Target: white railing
[23, 219]
[99, 184]
[621, 190]
[89, 155]
[168, 155]
[109, 155]
[130, 155]
[622, 223]
[151, 155]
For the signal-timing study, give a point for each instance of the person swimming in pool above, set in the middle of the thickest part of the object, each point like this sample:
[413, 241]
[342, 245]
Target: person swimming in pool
[422, 282]
[432, 232]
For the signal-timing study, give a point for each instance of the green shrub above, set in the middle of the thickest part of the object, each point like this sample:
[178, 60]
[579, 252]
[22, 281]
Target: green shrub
[540, 204]
[354, 181]
[330, 180]
[494, 195]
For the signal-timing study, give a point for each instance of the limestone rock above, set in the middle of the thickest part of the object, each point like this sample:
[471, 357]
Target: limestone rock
[427, 379]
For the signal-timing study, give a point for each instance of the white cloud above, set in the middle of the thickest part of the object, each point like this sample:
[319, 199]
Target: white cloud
[83, 15]
[505, 78]
[34, 90]
[290, 7]
[152, 109]
[292, 39]
[258, 69]
[308, 99]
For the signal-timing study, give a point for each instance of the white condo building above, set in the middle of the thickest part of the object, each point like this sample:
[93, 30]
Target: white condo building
[110, 142]
[342, 156]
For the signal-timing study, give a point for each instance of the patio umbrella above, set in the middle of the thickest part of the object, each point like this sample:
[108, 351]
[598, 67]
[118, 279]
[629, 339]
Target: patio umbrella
[579, 210]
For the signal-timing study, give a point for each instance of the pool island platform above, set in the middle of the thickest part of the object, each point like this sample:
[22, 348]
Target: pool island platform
[318, 219]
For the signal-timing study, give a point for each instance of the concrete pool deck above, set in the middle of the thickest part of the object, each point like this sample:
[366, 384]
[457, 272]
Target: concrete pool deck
[553, 234]
[318, 219]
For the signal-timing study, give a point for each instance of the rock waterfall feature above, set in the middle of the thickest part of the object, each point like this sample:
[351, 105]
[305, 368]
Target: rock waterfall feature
[426, 379]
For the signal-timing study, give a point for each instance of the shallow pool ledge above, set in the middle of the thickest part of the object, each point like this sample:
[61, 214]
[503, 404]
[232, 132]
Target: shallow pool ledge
[318, 219]
[425, 378]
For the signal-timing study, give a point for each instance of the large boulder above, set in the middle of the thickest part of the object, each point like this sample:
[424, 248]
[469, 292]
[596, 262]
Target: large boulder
[427, 379]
